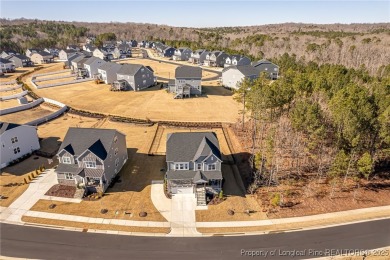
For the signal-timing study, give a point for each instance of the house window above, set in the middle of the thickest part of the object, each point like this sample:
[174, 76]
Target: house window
[116, 151]
[176, 166]
[66, 160]
[117, 162]
[144, 81]
[14, 140]
[68, 176]
[16, 150]
[211, 167]
[199, 166]
[90, 164]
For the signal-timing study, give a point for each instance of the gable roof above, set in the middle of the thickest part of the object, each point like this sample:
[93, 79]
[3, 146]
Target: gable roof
[5, 61]
[43, 53]
[20, 56]
[7, 126]
[246, 70]
[129, 69]
[188, 72]
[263, 62]
[108, 66]
[98, 141]
[188, 146]
[91, 60]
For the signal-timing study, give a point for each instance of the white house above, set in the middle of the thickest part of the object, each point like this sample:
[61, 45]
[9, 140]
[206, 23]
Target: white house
[16, 141]
[233, 76]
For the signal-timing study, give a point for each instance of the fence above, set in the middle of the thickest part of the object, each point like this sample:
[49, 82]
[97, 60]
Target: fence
[21, 94]
[21, 107]
[10, 88]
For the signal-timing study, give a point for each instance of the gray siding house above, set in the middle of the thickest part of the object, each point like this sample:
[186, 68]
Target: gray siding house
[6, 65]
[188, 81]
[216, 59]
[8, 53]
[193, 164]
[91, 66]
[20, 61]
[182, 54]
[122, 51]
[107, 72]
[232, 76]
[268, 67]
[198, 56]
[77, 65]
[134, 77]
[91, 158]
[17, 141]
[64, 55]
[237, 60]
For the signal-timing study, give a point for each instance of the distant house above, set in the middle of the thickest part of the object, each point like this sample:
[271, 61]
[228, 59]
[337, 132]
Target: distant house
[216, 59]
[91, 158]
[134, 77]
[268, 67]
[89, 47]
[193, 164]
[17, 141]
[52, 51]
[198, 56]
[237, 60]
[64, 55]
[8, 53]
[122, 51]
[68, 63]
[133, 43]
[30, 51]
[73, 47]
[90, 40]
[103, 53]
[42, 57]
[232, 76]
[108, 72]
[77, 65]
[168, 51]
[20, 61]
[182, 54]
[188, 81]
[142, 44]
[6, 66]
[91, 66]
[149, 45]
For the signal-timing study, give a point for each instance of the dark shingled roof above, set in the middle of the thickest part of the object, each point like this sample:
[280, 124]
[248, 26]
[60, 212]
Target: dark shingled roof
[5, 60]
[189, 146]
[196, 176]
[188, 72]
[247, 70]
[91, 60]
[110, 66]
[98, 141]
[71, 168]
[129, 69]
[21, 56]
[263, 62]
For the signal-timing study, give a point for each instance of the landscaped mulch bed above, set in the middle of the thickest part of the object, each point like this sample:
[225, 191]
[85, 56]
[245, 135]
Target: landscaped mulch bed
[59, 190]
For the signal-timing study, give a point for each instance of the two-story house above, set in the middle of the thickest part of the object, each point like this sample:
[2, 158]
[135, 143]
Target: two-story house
[237, 60]
[188, 81]
[91, 157]
[233, 76]
[65, 54]
[216, 59]
[20, 61]
[30, 51]
[107, 72]
[198, 56]
[265, 66]
[182, 54]
[6, 65]
[134, 77]
[16, 141]
[193, 164]
[103, 53]
[91, 66]
[122, 51]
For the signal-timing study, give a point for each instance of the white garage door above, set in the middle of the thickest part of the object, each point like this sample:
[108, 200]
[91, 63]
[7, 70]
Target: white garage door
[185, 190]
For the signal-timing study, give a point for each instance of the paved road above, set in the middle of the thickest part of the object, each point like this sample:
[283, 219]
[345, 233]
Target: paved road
[219, 74]
[42, 243]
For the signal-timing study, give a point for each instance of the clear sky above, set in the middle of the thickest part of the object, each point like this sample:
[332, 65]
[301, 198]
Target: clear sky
[201, 13]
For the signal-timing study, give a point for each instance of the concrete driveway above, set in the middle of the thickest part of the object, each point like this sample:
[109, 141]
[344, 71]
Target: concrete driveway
[183, 222]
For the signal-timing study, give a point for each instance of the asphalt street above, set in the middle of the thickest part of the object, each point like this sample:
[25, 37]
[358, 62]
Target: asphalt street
[44, 243]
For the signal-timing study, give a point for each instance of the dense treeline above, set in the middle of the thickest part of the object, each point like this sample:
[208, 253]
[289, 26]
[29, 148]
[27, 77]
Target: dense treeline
[40, 35]
[328, 120]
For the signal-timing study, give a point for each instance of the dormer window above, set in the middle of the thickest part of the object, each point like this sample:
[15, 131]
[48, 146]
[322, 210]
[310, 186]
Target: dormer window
[66, 160]
[90, 164]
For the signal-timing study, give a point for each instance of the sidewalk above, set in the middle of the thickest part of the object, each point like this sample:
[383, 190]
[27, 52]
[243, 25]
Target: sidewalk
[35, 191]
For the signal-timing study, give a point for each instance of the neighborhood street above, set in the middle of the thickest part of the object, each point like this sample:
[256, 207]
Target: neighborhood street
[43, 243]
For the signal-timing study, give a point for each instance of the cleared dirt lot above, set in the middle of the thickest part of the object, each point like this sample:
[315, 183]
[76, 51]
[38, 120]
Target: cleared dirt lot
[12, 76]
[25, 116]
[153, 103]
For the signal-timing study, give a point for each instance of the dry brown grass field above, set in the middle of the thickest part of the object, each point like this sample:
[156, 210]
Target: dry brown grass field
[26, 116]
[12, 76]
[11, 103]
